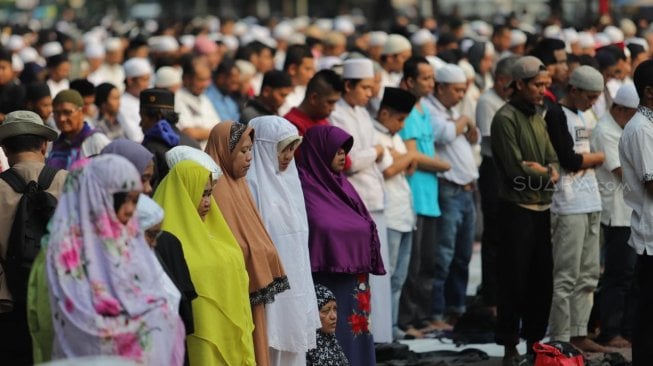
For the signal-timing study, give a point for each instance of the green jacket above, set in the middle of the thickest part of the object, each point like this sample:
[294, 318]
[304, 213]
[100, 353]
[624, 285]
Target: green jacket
[517, 137]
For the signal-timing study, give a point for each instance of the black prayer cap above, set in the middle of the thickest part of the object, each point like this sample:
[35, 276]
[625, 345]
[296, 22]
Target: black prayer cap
[157, 98]
[398, 100]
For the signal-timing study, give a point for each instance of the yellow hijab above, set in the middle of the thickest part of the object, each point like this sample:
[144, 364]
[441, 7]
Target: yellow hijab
[222, 316]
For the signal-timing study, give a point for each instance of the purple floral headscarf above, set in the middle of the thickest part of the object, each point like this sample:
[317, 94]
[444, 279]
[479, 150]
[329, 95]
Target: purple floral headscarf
[106, 285]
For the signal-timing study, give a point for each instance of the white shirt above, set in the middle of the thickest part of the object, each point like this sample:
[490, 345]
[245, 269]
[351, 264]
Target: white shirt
[106, 73]
[129, 117]
[636, 155]
[454, 149]
[488, 105]
[577, 192]
[364, 175]
[294, 99]
[399, 212]
[94, 144]
[56, 87]
[605, 138]
[195, 111]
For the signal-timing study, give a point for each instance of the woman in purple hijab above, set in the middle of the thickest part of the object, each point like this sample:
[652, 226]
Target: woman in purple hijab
[343, 241]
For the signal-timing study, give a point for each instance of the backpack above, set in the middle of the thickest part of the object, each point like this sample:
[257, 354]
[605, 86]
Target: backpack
[34, 210]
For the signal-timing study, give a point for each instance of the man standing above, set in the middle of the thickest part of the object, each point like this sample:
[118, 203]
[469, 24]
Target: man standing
[274, 90]
[456, 227]
[488, 105]
[24, 139]
[417, 134]
[526, 164]
[575, 211]
[137, 78]
[322, 93]
[78, 139]
[616, 301]
[197, 116]
[636, 155]
[300, 66]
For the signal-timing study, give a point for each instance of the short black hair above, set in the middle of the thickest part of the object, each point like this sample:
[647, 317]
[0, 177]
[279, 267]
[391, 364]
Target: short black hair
[276, 79]
[411, 66]
[324, 82]
[544, 50]
[5, 55]
[56, 60]
[83, 86]
[643, 77]
[635, 49]
[224, 68]
[257, 47]
[295, 55]
[189, 65]
[23, 143]
[102, 93]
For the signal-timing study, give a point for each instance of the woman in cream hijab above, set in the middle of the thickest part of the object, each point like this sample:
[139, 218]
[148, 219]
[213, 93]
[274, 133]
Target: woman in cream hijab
[293, 317]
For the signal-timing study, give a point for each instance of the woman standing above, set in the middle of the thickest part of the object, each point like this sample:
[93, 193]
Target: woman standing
[293, 317]
[230, 145]
[106, 285]
[343, 240]
[222, 321]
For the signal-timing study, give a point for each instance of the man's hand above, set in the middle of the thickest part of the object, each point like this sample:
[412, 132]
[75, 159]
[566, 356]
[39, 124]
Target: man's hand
[554, 175]
[379, 152]
[472, 135]
[536, 166]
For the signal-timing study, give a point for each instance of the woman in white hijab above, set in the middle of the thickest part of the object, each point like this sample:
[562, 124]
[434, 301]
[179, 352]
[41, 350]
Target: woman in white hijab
[293, 317]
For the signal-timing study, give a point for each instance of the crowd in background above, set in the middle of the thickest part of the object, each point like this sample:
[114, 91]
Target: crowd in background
[295, 193]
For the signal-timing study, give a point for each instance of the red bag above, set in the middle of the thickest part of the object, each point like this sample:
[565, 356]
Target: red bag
[547, 355]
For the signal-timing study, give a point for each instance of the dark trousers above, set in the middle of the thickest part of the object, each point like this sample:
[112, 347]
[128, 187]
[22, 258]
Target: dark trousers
[491, 238]
[643, 329]
[15, 340]
[415, 301]
[525, 274]
[617, 293]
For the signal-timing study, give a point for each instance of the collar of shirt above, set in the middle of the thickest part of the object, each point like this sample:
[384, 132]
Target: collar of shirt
[646, 111]
[381, 128]
[442, 109]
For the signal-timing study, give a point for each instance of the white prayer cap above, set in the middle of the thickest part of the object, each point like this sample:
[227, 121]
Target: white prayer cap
[639, 41]
[358, 68]
[259, 32]
[167, 76]
[137, 66]
[628, 27]
[570, 35]
[181, 153]
[396, 43]
[245, 67]
[586, 40]
[187, 40]
[466, 44]
[602, 39]
[283, 31]
[614, 34]
[344, 24]
[467, 68]
[94, 50]
[587, 78]
[51, 49]
[296, 38]
[17, 63]
[28, 54]
[451, 74]
[377, 39]
[113, 44]
[553, 31]
[15, 43]
[517, 38]
[149, 212]
[300, 23]
[163, 44]
[480, 27]
[627, 96]
[422, 37]
[231, 42]
[328, 62]
[527, 27]
[240, 28]
[324, 24]
[435, 62]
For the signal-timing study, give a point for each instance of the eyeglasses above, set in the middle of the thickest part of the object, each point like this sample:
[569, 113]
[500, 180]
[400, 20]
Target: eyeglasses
[65, 112]
[153, 234]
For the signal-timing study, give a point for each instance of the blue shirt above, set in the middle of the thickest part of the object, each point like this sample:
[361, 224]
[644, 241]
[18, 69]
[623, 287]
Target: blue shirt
[225, 105]
[423, 184]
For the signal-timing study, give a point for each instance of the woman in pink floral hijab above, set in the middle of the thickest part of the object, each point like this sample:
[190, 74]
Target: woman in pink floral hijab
[106, 285]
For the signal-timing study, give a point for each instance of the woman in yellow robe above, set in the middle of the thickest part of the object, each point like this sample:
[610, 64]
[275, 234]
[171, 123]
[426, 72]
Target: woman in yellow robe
[222, 318]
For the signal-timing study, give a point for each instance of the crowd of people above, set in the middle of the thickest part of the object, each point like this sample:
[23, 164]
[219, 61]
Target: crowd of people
[295, 193]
